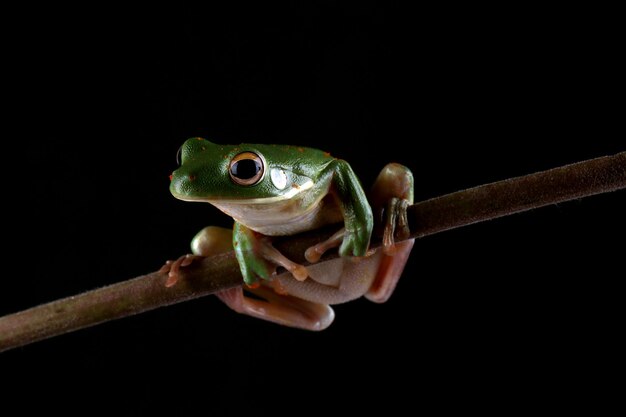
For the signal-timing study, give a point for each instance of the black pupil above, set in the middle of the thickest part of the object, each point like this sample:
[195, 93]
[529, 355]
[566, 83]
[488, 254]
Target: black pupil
[245, 168]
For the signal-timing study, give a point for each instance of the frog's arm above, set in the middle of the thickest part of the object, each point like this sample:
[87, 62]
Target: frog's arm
[258, 258]
[357, 213]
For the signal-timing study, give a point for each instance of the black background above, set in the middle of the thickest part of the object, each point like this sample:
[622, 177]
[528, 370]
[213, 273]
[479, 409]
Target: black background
[513, 311]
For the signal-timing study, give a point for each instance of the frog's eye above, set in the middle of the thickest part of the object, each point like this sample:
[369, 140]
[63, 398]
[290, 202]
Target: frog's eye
[246, 168]
[178, 155]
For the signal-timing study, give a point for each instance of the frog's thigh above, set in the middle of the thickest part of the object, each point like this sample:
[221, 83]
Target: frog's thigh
[277, 308]
[393, 181]
[334, 281]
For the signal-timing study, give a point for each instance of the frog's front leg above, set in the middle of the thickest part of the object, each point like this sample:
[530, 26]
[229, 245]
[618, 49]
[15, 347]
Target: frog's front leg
[354, 238]
[258, 258]
[272, 305]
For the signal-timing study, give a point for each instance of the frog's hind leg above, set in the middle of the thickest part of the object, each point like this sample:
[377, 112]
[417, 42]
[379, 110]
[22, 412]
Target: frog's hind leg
[278, 308]
[390, 196]
[266, 303]
[389, 272]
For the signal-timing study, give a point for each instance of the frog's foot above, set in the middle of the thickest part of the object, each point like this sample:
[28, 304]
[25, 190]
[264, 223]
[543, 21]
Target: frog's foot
[395, 254]
[315, 252]
[396, 224]
[391, 195]
[389, 272]
[281, 309]
[173, 268]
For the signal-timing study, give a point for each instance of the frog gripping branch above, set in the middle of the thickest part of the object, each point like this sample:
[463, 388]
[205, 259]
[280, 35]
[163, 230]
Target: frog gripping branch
[356, 211]
[278, 190]
[306, 303]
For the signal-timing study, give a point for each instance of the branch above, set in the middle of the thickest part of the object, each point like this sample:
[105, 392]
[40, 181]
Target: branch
[515, 195]
[221, 272]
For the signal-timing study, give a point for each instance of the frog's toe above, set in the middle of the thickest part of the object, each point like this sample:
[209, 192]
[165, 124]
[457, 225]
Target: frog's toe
[173, 268]
[315, 252]
[274, 257]
[396, 225]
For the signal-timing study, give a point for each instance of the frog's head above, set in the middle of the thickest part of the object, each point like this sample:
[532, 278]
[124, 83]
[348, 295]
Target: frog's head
[247, 173]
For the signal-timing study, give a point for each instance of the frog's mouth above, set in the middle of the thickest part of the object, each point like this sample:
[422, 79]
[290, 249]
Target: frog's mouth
[286, 195]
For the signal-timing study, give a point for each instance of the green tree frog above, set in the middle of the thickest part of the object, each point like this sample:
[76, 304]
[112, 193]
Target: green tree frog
[276, 190]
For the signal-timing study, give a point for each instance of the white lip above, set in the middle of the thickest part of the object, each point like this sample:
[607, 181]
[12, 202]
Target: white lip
[261, 200]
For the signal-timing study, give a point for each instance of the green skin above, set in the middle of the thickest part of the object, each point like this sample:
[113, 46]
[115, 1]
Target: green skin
[314, 179]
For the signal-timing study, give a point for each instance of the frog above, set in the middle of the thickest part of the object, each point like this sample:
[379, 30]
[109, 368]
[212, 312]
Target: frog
[272, 190]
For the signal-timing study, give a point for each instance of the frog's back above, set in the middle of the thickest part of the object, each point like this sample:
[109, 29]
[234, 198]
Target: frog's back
[301, 160]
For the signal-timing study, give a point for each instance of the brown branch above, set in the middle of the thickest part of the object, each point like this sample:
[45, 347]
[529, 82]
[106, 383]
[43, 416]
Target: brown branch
[212, 274]
[514, 195]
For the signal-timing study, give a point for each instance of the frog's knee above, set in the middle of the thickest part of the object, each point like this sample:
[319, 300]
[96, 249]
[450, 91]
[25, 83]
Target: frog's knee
[212, 240]
[394, 181]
